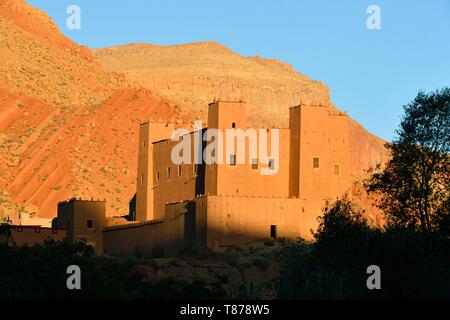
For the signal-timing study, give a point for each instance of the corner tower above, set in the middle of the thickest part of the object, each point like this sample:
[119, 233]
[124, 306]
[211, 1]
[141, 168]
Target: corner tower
[149, 132]
[319, 153]
[223, 115]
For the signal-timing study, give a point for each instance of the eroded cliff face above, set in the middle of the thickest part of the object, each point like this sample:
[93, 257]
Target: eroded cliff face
[69, 118]
[48, 155]
[40, 25]
[196, 74]
[68, 127]
[38, 61]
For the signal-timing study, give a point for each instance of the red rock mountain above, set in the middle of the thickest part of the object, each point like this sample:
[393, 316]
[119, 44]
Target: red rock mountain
[39, 24]
[69, 117]
[68, 127]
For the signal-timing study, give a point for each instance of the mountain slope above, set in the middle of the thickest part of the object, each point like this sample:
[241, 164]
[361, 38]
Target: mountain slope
[69, 118]
[68, 127]
[38, 23]
[38, 61]
[195, 74]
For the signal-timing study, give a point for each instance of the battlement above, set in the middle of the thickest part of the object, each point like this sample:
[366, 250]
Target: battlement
[226, 102]
[74, 199]
[132, 225]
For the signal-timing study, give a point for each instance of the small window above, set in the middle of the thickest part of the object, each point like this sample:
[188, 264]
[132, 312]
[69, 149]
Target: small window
[89, 224]
[169, 174]
[336, 170]
[233, 159]
[273, 231]
[255, 164]
[272, 164]
[180, 172]
[315, 163]
[233, 125]
[157, 176]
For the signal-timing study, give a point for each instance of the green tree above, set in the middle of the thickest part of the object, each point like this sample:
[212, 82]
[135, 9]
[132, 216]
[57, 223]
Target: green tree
[414, 265]
[332, 267]
[413, 187]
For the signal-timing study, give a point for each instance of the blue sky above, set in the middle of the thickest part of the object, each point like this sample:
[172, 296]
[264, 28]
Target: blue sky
[371, 73]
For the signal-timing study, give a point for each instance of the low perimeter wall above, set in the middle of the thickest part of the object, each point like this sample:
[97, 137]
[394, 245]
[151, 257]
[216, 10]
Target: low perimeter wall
[157, 238]
[215, 221]
[236, 220]
[31, 235]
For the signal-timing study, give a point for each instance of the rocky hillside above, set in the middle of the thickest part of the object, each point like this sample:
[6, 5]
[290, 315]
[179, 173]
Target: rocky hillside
[195, 74]
[69, 117]
[48, 155]
[38, 61]
[68, 127]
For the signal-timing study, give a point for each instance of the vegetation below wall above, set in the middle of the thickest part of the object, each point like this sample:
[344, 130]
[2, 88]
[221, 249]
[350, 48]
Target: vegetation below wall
[413, 250]
[413, 265]
[333, 267]
[39, 272]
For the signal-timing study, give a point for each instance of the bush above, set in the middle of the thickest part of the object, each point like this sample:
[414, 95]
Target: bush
[413, 265]
[39, 272]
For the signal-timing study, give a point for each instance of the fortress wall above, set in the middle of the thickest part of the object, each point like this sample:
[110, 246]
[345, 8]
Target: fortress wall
[237, 220]
[318, 133]
[31, 235]
[157, 186]
[149, 132]
[215, 221]
[185, 180]
[221, 116]
[240, 204]
[83, 219]
[159, 238]
[242, 179]
[294, 153]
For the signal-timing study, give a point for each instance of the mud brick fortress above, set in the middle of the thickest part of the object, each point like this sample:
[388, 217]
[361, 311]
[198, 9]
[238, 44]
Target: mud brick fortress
[214, 205]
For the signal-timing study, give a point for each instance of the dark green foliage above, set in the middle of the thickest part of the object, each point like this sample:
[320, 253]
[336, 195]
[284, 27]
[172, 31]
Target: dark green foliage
[5, 233]
[246, 292]
[413, 264]
[168, 289]
[39, 272]
[343, 231]
[414, 187]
